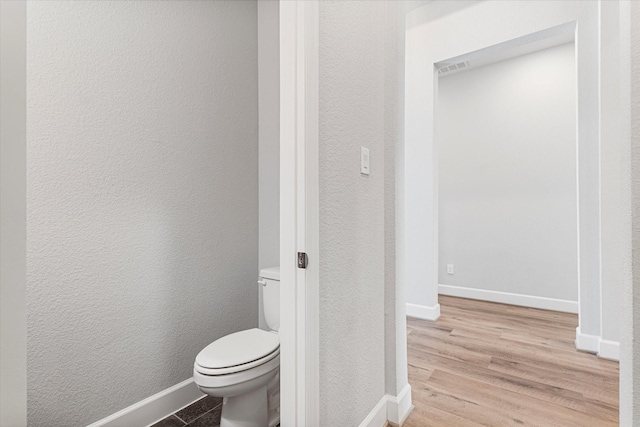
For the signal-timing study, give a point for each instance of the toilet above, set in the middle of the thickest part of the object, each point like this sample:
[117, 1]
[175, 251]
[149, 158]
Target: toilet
[243, 368]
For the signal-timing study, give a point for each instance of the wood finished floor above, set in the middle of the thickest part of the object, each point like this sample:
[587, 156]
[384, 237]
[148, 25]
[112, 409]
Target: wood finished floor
[491, 364]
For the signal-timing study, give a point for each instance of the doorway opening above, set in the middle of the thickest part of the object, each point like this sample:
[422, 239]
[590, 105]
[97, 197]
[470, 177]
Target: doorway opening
[428, 68]
[507, 175]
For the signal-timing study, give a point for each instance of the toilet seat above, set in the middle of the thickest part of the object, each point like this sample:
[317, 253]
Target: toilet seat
[238, 352]
[203, 380]
[237, 368]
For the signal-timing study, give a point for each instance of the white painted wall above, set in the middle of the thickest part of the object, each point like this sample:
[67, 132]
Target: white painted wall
[395, 301]
[614, 151]
[630, 361]
[13, 318]
[396, 378]
[507, 183]
[142, 196]
[354, 79]
[269, 136]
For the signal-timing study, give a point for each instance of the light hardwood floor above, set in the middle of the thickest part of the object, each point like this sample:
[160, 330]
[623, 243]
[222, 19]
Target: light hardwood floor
[491, 364]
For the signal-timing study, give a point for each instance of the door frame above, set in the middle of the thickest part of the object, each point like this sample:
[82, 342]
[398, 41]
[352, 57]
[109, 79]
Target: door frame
[421, 147]
[588, 32]
[299, 213]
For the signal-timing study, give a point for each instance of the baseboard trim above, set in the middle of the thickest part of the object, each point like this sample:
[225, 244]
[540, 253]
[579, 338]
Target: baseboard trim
[605, 349]
[609, 350]
[586, 342]
[543, 303]
[399, 408]
[390, 410]
[423, 312]
[154, 408]
[378, 415]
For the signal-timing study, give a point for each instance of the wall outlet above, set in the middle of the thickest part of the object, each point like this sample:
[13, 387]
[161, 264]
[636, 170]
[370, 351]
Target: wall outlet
[449, 268]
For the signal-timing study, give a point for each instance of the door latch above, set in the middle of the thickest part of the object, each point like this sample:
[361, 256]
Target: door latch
[302, 260]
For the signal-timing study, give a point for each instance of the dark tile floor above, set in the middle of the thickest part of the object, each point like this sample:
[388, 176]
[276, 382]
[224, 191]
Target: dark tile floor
[203, 413]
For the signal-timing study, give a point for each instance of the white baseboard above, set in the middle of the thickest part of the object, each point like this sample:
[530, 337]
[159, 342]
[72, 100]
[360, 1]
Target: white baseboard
[390, 408]
[605, 349]
[423, 311]
[609, 350]
[154, 408]
[378, 415]
[509, 298]
[586, 342]
[399, 408]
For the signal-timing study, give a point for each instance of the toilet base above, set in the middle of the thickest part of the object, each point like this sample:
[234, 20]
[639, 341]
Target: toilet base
[274, 417]
[248, 410]
[253, 403]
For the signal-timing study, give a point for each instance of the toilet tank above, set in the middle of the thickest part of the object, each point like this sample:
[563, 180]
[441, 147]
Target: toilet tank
[270, 278]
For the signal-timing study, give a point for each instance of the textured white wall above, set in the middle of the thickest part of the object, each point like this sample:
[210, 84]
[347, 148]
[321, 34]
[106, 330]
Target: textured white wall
[507, 165]
[630, 377]
[269, 135]
[142, 196]
[395, 312]
[13, 316]
[352, 209]
[398, 363]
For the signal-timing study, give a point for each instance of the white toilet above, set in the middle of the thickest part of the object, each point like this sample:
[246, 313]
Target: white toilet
[243, 368]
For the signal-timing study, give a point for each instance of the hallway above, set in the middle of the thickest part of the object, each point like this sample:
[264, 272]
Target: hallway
[491, 364]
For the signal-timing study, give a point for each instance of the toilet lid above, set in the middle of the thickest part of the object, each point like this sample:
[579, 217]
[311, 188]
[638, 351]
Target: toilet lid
[238, 348]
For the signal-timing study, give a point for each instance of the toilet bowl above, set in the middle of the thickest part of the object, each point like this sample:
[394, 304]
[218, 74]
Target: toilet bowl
[243, 367]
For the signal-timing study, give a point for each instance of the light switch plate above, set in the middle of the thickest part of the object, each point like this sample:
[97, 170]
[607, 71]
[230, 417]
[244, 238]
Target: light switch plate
[364, 161]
